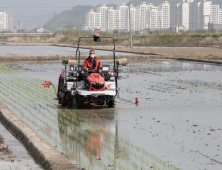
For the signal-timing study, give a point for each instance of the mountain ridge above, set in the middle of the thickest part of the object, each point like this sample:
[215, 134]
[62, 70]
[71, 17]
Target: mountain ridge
[66, 17]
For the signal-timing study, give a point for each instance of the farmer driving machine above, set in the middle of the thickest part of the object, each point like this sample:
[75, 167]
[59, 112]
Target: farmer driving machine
[96, 87]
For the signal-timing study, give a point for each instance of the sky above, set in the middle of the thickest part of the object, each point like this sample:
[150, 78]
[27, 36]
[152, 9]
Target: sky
[35, 13]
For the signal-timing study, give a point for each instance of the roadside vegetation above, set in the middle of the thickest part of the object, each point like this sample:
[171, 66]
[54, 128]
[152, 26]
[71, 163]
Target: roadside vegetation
[69, 35]
[157, 38]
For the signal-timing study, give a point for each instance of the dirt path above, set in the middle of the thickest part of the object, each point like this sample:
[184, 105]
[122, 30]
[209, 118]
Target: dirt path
[200, 54]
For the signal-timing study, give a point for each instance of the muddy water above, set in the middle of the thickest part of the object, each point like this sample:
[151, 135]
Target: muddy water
[48, 50]
[177, 119]
[21, 159]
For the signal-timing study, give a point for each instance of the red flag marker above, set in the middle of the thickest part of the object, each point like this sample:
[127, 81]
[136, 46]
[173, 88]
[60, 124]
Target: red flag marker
[47, 84]
[137, 101]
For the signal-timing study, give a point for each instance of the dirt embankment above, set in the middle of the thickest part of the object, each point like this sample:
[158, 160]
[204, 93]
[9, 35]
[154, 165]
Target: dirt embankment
[200, 54]
[166, 40]
[29, 39]
[166, 51]
[43, 153]
[61, 57]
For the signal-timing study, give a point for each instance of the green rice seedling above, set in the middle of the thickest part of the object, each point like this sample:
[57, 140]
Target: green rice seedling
[95, 132]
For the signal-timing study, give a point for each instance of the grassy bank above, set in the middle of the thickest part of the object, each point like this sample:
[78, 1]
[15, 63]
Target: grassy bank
[213, 53]
[165, 40]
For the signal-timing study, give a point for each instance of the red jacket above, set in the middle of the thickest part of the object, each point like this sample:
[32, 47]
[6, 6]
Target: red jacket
[87, 64]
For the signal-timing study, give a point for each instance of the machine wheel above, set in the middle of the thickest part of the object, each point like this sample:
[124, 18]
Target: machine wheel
[76, 102]
[71, 103]
[110, 104]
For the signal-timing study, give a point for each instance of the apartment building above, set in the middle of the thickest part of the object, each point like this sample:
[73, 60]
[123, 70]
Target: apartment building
[159, 17]
[103, 15]
[139, 16]
[3, 20]
[154, 18]
[214, 14]
[205, 11]
[179, 14]
[93, 19]
[133, 15]
[165, 9]
[200, 14]
[113, 19]
[123, 8]
[215, 17]
[119, 18]
[9, 22]
[6, 21]
[220, 16]
[148, 16]
[142, 12]
[187, 14]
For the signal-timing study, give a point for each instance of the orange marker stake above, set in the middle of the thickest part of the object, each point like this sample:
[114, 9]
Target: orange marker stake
[137, 101]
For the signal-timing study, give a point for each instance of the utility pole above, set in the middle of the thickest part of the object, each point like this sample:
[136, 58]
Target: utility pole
[19, 31]
[2, 32]
[141, 18]
[80, 25]
[178, 22]
[160, 30]
[131, 39]
[54, 18]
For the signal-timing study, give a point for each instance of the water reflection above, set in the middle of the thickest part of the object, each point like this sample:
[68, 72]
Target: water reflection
[92, 136]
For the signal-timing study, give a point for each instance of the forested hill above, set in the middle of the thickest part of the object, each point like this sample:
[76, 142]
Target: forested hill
[74, 17]
[157, 2]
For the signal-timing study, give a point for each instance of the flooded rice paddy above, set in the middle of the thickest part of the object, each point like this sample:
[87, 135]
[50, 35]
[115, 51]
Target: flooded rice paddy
[175, 125]
[41, 50]
[19, 157]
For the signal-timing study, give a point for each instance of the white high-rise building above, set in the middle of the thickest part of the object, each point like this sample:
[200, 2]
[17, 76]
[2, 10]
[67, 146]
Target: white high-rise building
[154, 18]
[119, 18]
[132, 17]
[165, 20]
[220, 16]
[3, 20]
[159, 17]
[138, 18]
[9, 22]
[103, 14]
[96, 20]
[186, 14]
[142, 15]
[6, 21]
[214, 14]
[123, 8]
[113, 19]
[93, 19]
